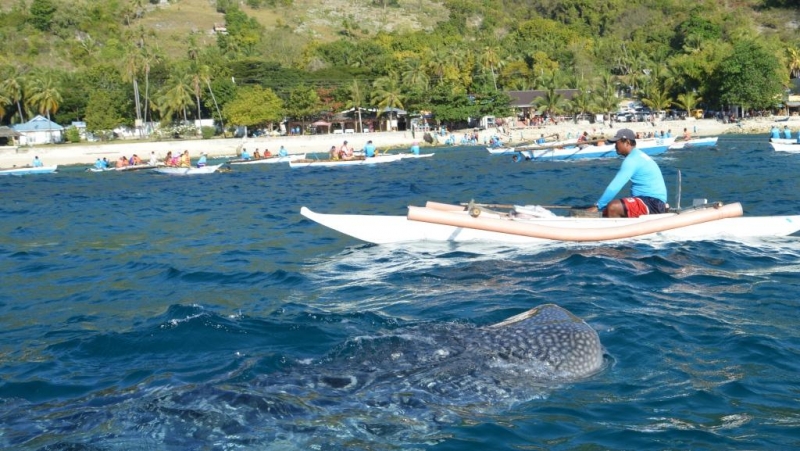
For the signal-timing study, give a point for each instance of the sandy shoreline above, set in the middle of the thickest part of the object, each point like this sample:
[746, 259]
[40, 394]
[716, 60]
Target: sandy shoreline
[86, 154]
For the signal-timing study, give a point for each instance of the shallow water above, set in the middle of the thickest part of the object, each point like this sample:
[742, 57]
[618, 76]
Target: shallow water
[142, 311]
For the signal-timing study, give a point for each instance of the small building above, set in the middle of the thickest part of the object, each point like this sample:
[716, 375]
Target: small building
[8, 136]
[39, 130]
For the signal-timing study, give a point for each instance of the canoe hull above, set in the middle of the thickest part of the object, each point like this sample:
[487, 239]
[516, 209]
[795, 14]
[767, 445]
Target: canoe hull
[399, 229]
[344, 163]
[788, 147]
[694, 143]
[29, 170]
[188, 171]
[651, 146]
[271, 160]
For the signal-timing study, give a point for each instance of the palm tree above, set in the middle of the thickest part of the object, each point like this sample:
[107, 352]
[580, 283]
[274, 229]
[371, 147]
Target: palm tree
[414, 74]
[44, 95]
[13, 86]
[605, 96]
[176, 97]
[794, 62]
[5, 100]
[387, 93]
[356, 101]
[687, 101]
[490, 59]
[130, 73]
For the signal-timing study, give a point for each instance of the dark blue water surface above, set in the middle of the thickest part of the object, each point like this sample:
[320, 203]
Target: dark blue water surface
[143, 311]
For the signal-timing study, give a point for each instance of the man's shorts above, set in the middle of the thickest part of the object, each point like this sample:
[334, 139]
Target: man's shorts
[638, 206]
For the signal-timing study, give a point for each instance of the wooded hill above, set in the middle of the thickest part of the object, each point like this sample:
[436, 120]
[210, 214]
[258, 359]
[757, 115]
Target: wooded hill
[115, 61]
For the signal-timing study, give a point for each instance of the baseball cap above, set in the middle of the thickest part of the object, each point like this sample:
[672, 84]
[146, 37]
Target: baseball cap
[623, 133]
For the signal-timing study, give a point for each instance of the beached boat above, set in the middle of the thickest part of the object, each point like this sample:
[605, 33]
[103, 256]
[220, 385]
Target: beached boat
[357, 161]
[269, 160]
[787, 147]
[187, 171]
[29, 170]
[650, 146]
[447, 223]
[137, 167]
[709, 141]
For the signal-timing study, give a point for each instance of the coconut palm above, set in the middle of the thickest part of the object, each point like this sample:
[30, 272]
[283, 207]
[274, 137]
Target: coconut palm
[13, 86]
[688, 101]
[387, 94]
[414, 74]
[490, 59]
[605, 97]
[131, 65]
[5, 101]
[794, 61]
[176, 97]
[44, 95]
[356, 101]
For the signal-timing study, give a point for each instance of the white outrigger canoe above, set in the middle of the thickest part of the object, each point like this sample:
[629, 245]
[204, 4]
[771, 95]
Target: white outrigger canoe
[650, 146]
[709, 141]
[785, 147]
[451, 223]
[187, 171]
[270, 160]
[782, 140]
[357, 161]
[547, 145]
[136, 167]
[29, 170]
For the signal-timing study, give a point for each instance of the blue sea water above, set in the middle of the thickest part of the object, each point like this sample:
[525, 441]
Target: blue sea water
[143, 311]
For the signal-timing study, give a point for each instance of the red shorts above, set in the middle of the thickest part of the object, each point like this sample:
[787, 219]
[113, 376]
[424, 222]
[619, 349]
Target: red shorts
[634, 207]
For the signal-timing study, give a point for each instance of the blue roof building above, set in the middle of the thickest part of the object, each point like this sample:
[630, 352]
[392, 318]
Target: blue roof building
[39, 130]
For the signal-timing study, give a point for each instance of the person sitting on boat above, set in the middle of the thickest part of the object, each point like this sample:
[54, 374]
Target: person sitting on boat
[774, 132]
[168, 159]
[346, 152]
[541, 140]
[369, 149]
[648, 190]
[135, 160]
[202, 161]
[584, 137]
[153, 159]
[256, 155]
[787, 134]
[415, 148]
[245, 154]
[687, 135]
[285, 153]
[122, 162]
[334, 154]
[98, 164]
[186, 162]
[37, 163]
[267, 153]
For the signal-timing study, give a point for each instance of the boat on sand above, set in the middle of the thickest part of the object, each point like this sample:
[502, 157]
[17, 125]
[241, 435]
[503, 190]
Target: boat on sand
[453, 223]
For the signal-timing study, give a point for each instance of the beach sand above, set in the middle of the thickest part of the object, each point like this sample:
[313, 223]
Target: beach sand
[87, 153]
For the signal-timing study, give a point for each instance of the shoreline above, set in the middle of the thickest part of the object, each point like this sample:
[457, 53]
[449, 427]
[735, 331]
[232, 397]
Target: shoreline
[86, 154]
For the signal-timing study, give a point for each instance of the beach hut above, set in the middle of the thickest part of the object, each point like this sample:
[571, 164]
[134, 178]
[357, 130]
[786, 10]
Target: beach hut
[39, 130]
[320, 123]
[8, 136]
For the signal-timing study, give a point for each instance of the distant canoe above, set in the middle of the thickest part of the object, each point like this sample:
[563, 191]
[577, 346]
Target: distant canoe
[187, 171]
[358, 161]
[29, 170]
[269, 160]
[695, 142]
[136, 167]
[650, 146]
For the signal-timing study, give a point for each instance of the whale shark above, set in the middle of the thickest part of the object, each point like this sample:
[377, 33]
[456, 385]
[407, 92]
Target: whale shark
[396, 388]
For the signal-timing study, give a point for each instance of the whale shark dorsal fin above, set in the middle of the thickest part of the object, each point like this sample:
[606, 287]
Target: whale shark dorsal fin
[545, 312]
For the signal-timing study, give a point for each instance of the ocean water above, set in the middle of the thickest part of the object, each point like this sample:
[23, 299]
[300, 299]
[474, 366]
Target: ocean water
[146, 312]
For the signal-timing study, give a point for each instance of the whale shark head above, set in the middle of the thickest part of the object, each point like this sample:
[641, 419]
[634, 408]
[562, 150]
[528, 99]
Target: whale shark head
[551, 335]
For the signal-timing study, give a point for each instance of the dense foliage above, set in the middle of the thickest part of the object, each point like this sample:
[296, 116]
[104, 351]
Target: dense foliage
[95, 60]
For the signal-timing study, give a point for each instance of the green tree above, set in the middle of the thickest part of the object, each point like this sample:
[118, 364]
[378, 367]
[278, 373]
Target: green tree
[252, 106]
[176, 97]
[44, 94]
[750, 77]
[356, 100]
[42, 12]
[687, 101]
[13, 85]
[387, 94]
[101, 114]
[303, 102]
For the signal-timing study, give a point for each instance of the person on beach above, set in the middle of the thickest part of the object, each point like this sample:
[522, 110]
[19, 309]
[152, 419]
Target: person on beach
[202, 161]
[648, 190]
[283, 152]
[37, 163]
[369, 149]
[415, 148]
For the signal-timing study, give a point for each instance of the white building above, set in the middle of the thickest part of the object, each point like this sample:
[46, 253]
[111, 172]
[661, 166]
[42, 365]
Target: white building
[39, 130]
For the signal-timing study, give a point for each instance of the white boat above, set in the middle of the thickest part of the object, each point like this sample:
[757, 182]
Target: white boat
[783, 140]
[531, 146]
[358, 161]
[29, 170]
[270, 160]
[413, 156]
[137, 167]
[187, 171]
[695, 142]
[788, 147]
[650, 146]
[433, 224]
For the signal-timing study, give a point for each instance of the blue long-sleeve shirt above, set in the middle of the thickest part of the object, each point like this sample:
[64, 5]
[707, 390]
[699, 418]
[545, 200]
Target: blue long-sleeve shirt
[645, 177]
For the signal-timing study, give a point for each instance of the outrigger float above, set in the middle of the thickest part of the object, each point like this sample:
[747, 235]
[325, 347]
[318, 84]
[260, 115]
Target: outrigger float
[438, 222]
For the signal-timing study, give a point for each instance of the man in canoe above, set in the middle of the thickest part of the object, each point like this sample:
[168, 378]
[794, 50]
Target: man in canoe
[648, 190]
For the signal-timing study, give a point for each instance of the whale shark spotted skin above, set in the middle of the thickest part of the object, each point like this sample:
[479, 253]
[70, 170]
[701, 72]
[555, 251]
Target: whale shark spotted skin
[396, 388]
